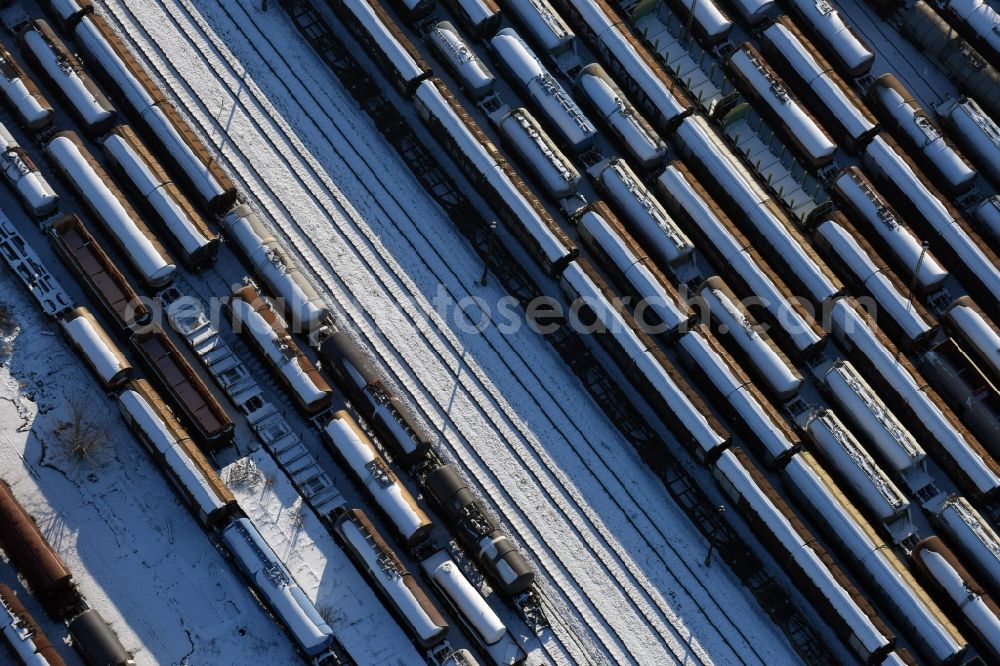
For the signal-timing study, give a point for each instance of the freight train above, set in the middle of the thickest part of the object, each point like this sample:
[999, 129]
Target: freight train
[22, 96]
[25, 178]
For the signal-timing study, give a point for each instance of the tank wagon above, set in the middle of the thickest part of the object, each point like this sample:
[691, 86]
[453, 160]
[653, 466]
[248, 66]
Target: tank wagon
[767, 225]
[50, 56]
[978, 22]
[393, 420]
[97, 348]
[553, 169]
[489, 172]
[183, 149]
[472, 73]
[803, 557]
[371, 471]
[175, 453]
[478, 532]
[762, 85]
[893, 443]
[412, 10]
[96, 641]
[276, 269]
[132, 161]
[25, 178]
[67, 13]
[106, 284]
[636, 70]
[921, 407]
[709, 23]
[631, 268]
[753, 12]
[836, 36]
[972, 535]
[21, 94]
[857, 195]
[481, 17]
[963, 384]
[25, 637]
[645, 214]
[885, 576]
[277, 589]
[258, 322]
[865, 270]
[739, 261]
[26, 548]
[953, 236]
[920, 133]
[542, 23]
[549, 97]
[385, 42]
[754, 345]
[976, 132]
[977, 333]
[973, 73]
[987, 213]
[629, 127]
[206, 418]
[465, 602]
[834, 101]
[394, 583]
[108, 205]
[959, 591]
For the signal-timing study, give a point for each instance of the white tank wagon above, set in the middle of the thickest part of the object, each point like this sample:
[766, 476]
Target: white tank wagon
[645, 214]
[803, 557]
[737, 397]
[67, 13]
[753, 12]
[979, 265]
[176, 454]
[610, 104]
[979, 22]
[397, 586]
[88, 179]
[730, 251]
[21, 94]
[472, 610]
[636, 69]
[708, 22]
[963, 384]
[902, 113]
[96, 347]
[260, 324]
[897, 311]
[50, 56]
[551, 99]
[977, 333]
[770, 94]
[880, 569]
[619, 254]
[987, 213]
[130, 158]
[471, 72]
[481, 17]
[972, 535]
[976, 132]
[487, 170]
[542, 23]
[554, 170]
[834, 34]
[928, 416]
[756, 348]
[960, 591]
[276, 269]
[857, 195]
[372, 471]
[25, 178]
[275, 585]
[863, 408]
[766, 223]
[871, 485]
[832, 99]
[653, 374]
[411, 10]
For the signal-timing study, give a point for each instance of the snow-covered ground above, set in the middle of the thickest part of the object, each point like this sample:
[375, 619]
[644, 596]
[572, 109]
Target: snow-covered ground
[319, 566]
[137, 555]
[620, 565]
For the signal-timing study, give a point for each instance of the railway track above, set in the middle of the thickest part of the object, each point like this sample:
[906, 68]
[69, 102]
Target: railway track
[319, 271]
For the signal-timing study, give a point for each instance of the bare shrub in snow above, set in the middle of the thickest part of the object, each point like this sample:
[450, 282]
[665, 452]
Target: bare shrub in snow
[243, 473]
[82, 439]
